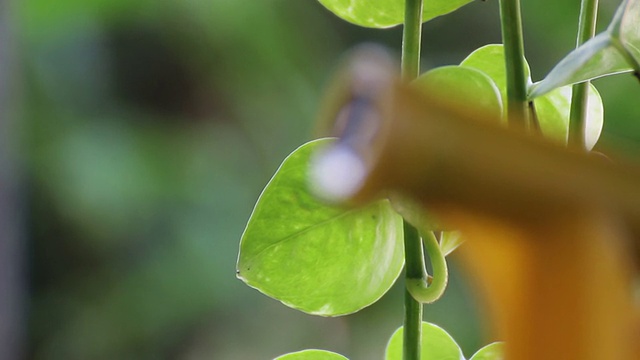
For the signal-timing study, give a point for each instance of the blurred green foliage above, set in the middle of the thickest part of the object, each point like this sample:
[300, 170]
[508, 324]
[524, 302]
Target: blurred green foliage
[150, 129]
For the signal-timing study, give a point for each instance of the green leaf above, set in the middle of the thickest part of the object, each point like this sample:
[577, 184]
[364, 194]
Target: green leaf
[450, 241]
[614, 51]
[320, 259]
[464, 86]
[311, 355]
[386, 13]
[493, 351]
[490, 60]
[598, 57]
[625, 27]
[437, 344]
[553, 111]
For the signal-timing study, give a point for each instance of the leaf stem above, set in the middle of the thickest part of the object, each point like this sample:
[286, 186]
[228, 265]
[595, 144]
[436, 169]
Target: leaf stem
[580, 92]
[511, 24]
[418, 290]
[414, 258]
[411, 39]
[414, 267]
[418, 285]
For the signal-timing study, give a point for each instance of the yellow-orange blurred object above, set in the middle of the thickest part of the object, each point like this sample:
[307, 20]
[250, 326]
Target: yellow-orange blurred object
[547, 227]
[559, 290]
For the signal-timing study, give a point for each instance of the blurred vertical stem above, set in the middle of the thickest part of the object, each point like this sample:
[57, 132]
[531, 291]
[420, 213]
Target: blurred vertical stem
[414, 258]
[580, 95]
[511, 23]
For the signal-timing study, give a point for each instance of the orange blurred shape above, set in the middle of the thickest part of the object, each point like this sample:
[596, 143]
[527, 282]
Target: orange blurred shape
[557, 290]
[547, 227]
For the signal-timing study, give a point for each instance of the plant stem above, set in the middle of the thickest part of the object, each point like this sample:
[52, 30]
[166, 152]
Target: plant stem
[414, 268]
[411, 40]
[580, 94]
[511, 23]
[414, 258]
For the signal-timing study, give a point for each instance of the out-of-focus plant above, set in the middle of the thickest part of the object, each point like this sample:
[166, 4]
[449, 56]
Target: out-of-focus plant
[333, 261]
[140, 128]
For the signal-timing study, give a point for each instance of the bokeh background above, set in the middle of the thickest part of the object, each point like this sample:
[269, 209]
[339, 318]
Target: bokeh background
[136, 137]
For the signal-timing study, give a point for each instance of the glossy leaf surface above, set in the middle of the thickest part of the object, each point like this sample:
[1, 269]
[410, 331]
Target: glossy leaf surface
[489, 59]
[437, 344]
[386, 13]
[462, 86]
[493, 351]
[311, 355]
[614, 51]
[553, 111]
[317, 258]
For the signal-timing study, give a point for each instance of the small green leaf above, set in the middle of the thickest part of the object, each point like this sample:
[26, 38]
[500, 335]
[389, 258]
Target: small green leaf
[450, 241]
[386, 13]
[436, 344]
[463, 86]
[493, 351]
[553, 110]
[614, 51]
[311, 355]
[490, 60]
[317, 258]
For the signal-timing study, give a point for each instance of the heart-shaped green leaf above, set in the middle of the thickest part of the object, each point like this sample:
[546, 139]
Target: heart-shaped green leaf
[553, 110]
[493, 351]
[311, 355]
[386, 13]
[614, 51]
[436, 344]
[462, 86]
[317, 258]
